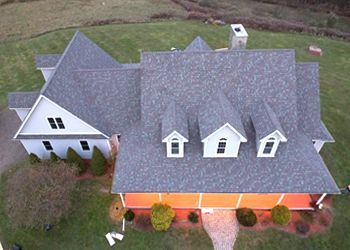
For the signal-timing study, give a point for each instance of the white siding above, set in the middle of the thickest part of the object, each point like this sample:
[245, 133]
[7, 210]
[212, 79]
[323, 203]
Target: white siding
[262, 144]
[37, 122]
[180, 139]
[47, 72]
[318, 145]
[22, 113]
[60, 147]
[232, 143]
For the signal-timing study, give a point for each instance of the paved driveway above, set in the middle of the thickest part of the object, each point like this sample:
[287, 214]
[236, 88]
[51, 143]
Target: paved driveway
[10, 151]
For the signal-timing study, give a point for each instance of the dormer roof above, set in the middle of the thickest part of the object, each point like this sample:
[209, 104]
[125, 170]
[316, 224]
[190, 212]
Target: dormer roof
[217, 112]
[198, 44]
[265, 121]
[174, 119]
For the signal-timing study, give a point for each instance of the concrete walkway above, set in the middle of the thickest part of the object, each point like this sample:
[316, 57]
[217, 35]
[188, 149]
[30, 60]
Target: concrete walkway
[10, 151]
[222, 227]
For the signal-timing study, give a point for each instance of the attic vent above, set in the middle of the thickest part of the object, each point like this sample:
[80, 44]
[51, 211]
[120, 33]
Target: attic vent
[237, 29]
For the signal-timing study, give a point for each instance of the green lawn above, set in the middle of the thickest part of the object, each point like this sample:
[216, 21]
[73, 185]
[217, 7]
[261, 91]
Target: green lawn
[89, 222]
[17, 72]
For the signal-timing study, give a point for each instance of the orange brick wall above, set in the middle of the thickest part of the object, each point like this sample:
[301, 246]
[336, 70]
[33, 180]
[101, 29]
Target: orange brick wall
[216, 200]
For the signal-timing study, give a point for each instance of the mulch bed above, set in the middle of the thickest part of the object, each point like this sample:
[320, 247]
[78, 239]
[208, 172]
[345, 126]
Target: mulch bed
[319, 221]
[88, 175]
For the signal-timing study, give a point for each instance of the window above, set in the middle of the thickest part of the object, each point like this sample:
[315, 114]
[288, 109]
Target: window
[175, 147]
[269, 145]
[47, 145]
[52, 123]
[221, 146]
[56, 123]
[60, 123]
[85, 145]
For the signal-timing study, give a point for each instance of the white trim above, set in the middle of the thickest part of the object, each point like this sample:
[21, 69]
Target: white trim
[321, 199]
[280, 199]
[122, 199]
[242, 138]
[175, 133]
[160, 197]
[44, 68]
[239, 200]
[55, 104]
[70, 133]
[282, 137]
[18, 108]
[200, 200]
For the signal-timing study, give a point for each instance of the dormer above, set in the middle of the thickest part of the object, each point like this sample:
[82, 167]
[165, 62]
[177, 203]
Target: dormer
[268, 130]
[221, 129]
[47, 64]
[174, 130]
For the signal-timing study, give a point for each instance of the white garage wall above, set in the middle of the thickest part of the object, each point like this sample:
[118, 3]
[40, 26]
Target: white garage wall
[37, 122]
[60, 147]
[22, 113]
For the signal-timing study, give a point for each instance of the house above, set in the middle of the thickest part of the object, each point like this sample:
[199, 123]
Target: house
[198, 128]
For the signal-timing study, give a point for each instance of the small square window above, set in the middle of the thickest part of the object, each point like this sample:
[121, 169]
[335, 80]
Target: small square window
[175, 150]
[47, 145]
[85, 145]
[268, 147]
[52, 123]
[59, 123]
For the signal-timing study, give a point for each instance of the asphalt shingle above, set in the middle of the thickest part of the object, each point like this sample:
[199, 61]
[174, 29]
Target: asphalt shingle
[47, 61]
[22, 99]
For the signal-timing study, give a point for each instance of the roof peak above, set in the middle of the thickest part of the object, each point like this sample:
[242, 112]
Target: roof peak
[198, 44]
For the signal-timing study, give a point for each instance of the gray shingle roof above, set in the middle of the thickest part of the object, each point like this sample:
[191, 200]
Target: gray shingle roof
[245, 76]
[198, 44]
[91, 99]
[265, 120]
[174, 119]
[216, 112]
[47, 61]
[131, 99]
[22, 99]
[308, 102]
[73, 136]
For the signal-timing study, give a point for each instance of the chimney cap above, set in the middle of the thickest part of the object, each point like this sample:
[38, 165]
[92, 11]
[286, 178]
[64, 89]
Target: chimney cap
[239, 30]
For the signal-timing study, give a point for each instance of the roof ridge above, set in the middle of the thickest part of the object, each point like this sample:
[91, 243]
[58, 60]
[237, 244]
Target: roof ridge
[43, 89]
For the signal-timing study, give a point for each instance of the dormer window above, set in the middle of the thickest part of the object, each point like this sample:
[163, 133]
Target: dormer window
[56, 122]
[221, 146]
[175, 147]
[269, 146]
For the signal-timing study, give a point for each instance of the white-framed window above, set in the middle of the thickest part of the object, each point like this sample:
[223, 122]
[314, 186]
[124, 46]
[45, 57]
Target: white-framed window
[56, 123]
[175, 146]
[85, 145]
[221, 146]
[269, 144]
[47, 145]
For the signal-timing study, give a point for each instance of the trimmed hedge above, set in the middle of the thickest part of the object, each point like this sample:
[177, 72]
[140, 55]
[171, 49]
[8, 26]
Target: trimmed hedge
[193, 217]
[54, 157]
[161, 216]
[246, 217]
[129, 215]
[281, 215]
[74, 158]
[98, 162]
[33, 158]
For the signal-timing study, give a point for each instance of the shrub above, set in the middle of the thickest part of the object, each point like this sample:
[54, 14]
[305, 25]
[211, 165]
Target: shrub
[307, 216]
[54, 157]
[129, 215]
[74, 158]
[33, 158]
[98, 162]
[161, 216]
[302, 227]
[40, 194]
[246, 217]
[332, 20]
[193, 217]
[117, 211]
[281, 215]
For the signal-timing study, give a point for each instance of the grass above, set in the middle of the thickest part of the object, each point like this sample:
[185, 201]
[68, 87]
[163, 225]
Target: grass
[124, 43]
[87, 224]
